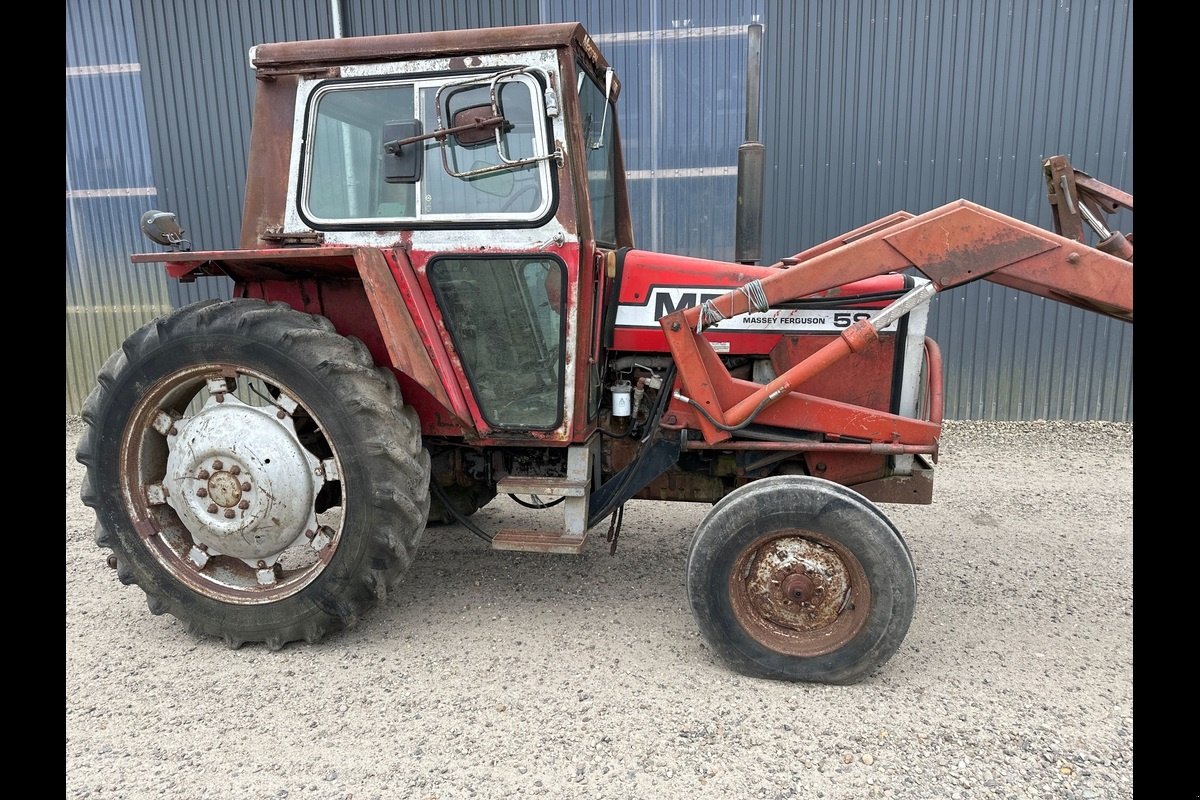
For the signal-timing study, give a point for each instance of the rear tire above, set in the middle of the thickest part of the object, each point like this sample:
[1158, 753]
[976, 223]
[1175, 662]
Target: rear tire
[798, 578]
[311, 465]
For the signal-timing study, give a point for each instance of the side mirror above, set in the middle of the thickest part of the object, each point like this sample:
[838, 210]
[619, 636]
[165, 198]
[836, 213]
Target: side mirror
[481, 117]
[402, 161]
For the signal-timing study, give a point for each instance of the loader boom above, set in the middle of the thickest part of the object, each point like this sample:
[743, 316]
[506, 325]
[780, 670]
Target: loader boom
[953, 245]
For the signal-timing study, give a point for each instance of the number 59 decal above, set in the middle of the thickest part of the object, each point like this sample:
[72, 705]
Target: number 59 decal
[843, 319]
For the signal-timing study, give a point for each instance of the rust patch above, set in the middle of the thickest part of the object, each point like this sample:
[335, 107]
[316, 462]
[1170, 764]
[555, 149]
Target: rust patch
[797, 584]
[465, 62]
[964, 244]
[309, 56]
[916, 488]
[404, 345]
[531, 541]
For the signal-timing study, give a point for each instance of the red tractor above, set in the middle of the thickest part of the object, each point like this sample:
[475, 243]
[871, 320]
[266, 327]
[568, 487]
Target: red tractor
[437, 299]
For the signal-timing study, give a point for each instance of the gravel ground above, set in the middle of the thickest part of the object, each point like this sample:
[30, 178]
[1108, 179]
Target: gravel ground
[517, 675]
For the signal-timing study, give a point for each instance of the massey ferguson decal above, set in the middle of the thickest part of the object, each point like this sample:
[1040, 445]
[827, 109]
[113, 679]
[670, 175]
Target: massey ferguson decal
[792, 319]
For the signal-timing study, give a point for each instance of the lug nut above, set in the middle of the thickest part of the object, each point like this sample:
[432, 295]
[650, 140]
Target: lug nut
[244, 505]
[218, 465]
[202, 492]
[174, 431]
[220, 397]
[235, 470]
[310, 534]
[202, 474]
[212, 508]
[111, 561]
[262, 565]
[229, 513]
[245, 486]
[280, 414]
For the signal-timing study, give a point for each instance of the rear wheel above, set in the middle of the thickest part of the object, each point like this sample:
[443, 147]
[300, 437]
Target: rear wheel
[253, 471]
[798, 578]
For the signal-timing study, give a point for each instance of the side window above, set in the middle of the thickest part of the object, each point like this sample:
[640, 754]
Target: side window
[505, 316]
[343, 176]
[514, 190]
[345, 155]
[597, 116]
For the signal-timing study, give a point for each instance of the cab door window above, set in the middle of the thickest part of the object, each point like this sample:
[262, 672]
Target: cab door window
[505, 316]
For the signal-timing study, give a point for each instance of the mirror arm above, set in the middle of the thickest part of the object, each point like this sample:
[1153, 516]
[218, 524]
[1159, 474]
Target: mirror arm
[396, 145]
[505, 162]
[557, 156]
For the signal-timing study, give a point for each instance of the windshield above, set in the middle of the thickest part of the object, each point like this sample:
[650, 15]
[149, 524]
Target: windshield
[598, 118]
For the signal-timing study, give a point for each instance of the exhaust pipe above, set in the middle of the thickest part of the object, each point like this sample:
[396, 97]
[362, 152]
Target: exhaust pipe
[747, 248]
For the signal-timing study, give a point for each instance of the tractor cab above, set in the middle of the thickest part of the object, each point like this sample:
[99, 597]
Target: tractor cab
[486, 167]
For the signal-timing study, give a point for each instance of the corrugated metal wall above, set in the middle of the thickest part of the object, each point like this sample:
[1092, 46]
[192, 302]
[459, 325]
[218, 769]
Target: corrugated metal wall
[109, 185]
[682, 111]
[373, 17]
[873, 107]
[867, 108]
[199, 99]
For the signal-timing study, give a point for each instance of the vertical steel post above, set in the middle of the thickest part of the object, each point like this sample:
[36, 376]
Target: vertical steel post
[751, 160]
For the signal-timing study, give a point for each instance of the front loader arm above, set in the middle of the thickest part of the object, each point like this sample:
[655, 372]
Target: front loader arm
[956, 244]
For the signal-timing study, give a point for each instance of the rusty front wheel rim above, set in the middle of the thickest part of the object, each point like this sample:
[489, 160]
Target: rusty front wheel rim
[799, 593]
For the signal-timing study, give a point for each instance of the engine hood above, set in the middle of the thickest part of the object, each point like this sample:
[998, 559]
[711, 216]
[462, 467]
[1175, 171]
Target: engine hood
[650, 285]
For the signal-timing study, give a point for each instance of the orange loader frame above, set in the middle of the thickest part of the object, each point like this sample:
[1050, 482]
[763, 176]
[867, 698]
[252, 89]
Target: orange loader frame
[952, 245]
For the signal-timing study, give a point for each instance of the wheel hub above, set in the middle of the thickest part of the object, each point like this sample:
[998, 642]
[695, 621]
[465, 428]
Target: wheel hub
[797, 584]
[241, 481]
[225, 489]
[800, 587]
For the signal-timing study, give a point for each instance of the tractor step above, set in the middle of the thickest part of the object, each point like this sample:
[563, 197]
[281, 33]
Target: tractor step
[531, 541]
[582, 461]
[549, 486]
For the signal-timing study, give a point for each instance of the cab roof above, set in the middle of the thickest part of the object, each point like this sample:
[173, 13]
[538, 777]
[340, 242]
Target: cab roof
[318, 54]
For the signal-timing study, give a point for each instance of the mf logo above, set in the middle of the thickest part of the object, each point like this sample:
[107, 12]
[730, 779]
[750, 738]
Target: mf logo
[665, 302]
[791, 318]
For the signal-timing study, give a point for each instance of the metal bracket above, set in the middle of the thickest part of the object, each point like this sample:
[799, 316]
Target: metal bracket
[1076, 198]
[278, 236]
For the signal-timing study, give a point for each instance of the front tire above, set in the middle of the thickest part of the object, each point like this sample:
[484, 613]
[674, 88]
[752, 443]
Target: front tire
[253, 471]
[798, 578]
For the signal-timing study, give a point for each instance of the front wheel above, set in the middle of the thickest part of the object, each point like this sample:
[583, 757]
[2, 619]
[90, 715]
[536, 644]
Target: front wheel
[253, 471]
[799, 578]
